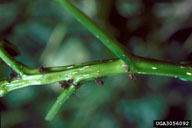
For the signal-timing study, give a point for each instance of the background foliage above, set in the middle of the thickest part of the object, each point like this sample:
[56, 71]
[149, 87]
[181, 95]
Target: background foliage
[47, 35]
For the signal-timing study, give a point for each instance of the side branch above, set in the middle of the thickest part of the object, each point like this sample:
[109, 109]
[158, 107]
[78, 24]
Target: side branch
[65, 94]
[19, 68]
[106, 39]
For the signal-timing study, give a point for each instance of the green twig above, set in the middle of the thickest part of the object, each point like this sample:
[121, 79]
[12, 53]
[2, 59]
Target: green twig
[86, 71]
[18, 67]
[107, 40]
[162, 68]
[10, 61]
[91, 70]
[65, 94]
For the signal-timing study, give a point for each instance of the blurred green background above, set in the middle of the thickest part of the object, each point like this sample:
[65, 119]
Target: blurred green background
[47, 35]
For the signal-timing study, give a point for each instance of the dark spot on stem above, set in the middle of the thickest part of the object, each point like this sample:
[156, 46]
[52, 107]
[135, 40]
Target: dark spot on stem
[70, 81]
[13, 75]
[65, 84]
[41, 69]
[78, 85]
[99, 81]
[132, 76]
[127, 69]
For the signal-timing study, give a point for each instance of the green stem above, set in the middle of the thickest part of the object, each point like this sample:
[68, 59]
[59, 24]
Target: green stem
[161, 68]
[91, 70]
[65, 94]
[78, 73]
[107, 40]
[10, 61]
